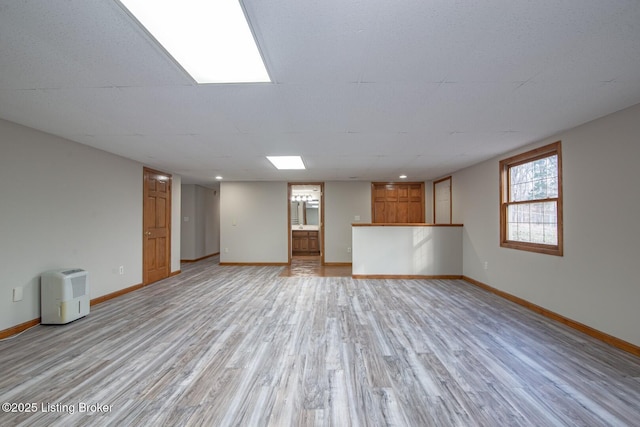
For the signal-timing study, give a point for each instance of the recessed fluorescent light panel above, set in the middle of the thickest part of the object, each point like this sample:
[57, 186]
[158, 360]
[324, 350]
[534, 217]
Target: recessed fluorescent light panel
[210, 39]
[286, 162]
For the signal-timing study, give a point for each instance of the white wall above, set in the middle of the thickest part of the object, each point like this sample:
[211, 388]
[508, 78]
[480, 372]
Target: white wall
[176, 194]
[200, 216]
[188, 228]
[428, 202]
[260, 214]
[63, 204]
[343, 201]
[596, 281]
[407, 251]
[211, 220]
[253, 222]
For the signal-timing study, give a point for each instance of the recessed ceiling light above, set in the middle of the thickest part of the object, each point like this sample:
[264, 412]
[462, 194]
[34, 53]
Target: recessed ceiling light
[218, 177]
[211, 40]
[403, 177]
[286, 162]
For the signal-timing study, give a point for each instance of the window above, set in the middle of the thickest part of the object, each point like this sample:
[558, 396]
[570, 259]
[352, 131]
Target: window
[531, 201]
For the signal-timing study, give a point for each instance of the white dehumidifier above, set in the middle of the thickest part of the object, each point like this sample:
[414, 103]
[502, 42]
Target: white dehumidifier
[64, 295]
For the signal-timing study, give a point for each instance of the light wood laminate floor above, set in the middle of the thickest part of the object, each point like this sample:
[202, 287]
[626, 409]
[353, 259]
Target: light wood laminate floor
[311, 266]
[243, 346]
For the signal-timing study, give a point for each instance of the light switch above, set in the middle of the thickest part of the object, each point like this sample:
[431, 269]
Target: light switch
[357, 217]
[186, 219]
[17, 294]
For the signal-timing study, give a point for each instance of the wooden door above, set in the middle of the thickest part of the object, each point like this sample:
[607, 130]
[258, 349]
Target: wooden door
[156, 225]
[398, 203]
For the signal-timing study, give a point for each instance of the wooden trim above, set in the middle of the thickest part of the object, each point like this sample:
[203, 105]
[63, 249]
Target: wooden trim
[115, 294]
[255, 264]
[450, 198]
[442, 179]
[337, 264]
[6, 333]
[289, 234]
[405, 276]
[530, 156]
[201, 258]
[24, 326]
[321, 223]
[175, 273]
[408, 224]
[602, 336]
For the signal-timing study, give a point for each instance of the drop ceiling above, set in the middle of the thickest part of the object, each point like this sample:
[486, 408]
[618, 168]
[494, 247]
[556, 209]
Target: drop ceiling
[362, 90]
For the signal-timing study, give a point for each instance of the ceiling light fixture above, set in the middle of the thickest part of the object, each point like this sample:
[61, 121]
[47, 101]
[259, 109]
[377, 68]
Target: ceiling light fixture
[218, 177]
[286, 162]
[211, 40]
[403, 177]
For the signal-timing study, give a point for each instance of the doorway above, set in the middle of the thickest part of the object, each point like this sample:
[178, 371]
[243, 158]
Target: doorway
[306, 222]
[442, 212]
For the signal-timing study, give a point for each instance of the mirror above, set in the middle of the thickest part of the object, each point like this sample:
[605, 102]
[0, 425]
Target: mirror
[305, 205]
[305, 213]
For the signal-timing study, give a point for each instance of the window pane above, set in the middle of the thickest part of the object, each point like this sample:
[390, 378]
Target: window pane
[534, 180]
[533, 222]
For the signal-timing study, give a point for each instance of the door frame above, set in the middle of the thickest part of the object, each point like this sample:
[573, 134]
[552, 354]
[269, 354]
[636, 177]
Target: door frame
[321, 222]
[145, 177]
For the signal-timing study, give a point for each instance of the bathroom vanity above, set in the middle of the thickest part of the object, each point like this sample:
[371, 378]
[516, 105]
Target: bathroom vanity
[305, 241]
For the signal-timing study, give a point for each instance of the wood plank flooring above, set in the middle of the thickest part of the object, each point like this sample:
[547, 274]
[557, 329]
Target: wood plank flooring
[310, 266]
[243, 346]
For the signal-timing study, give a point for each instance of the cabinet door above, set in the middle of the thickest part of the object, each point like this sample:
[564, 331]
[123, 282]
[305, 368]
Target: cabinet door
[295, 244]
[313, 242]
[300, 242]
[304, 244]
[397, 203]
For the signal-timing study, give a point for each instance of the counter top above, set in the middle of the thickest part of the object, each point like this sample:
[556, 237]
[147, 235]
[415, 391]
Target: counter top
[304, 228]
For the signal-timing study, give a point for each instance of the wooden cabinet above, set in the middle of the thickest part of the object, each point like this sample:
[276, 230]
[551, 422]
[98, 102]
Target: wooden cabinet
[300, 242]
[397, 203]
[305, 242]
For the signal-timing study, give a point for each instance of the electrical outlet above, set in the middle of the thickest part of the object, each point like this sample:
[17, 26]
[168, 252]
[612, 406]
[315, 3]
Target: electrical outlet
[121, 269]
[17, 294]
[226, 250]
[349, 250]
[486, 265]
